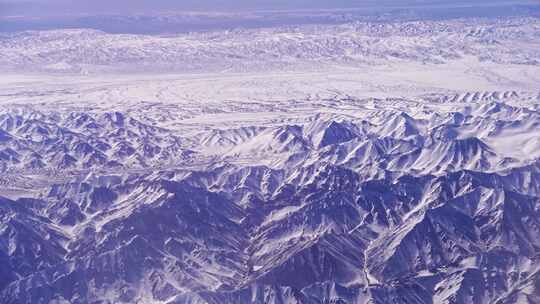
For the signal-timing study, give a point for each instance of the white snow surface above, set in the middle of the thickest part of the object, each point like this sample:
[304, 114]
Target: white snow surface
[391, 162]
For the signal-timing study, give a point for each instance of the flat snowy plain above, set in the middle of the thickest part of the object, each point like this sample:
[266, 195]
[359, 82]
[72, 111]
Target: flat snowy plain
[362, 162]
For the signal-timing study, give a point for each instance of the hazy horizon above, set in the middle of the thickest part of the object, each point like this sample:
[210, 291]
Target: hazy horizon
[31, 8]
[115, 16]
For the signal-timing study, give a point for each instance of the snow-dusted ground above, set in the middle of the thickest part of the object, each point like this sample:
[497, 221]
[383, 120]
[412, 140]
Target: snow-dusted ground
[392, 162]
[311, 47]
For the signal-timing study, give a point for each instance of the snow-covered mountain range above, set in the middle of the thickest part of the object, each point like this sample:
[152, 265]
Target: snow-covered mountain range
[273, 186]
[306, 47]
